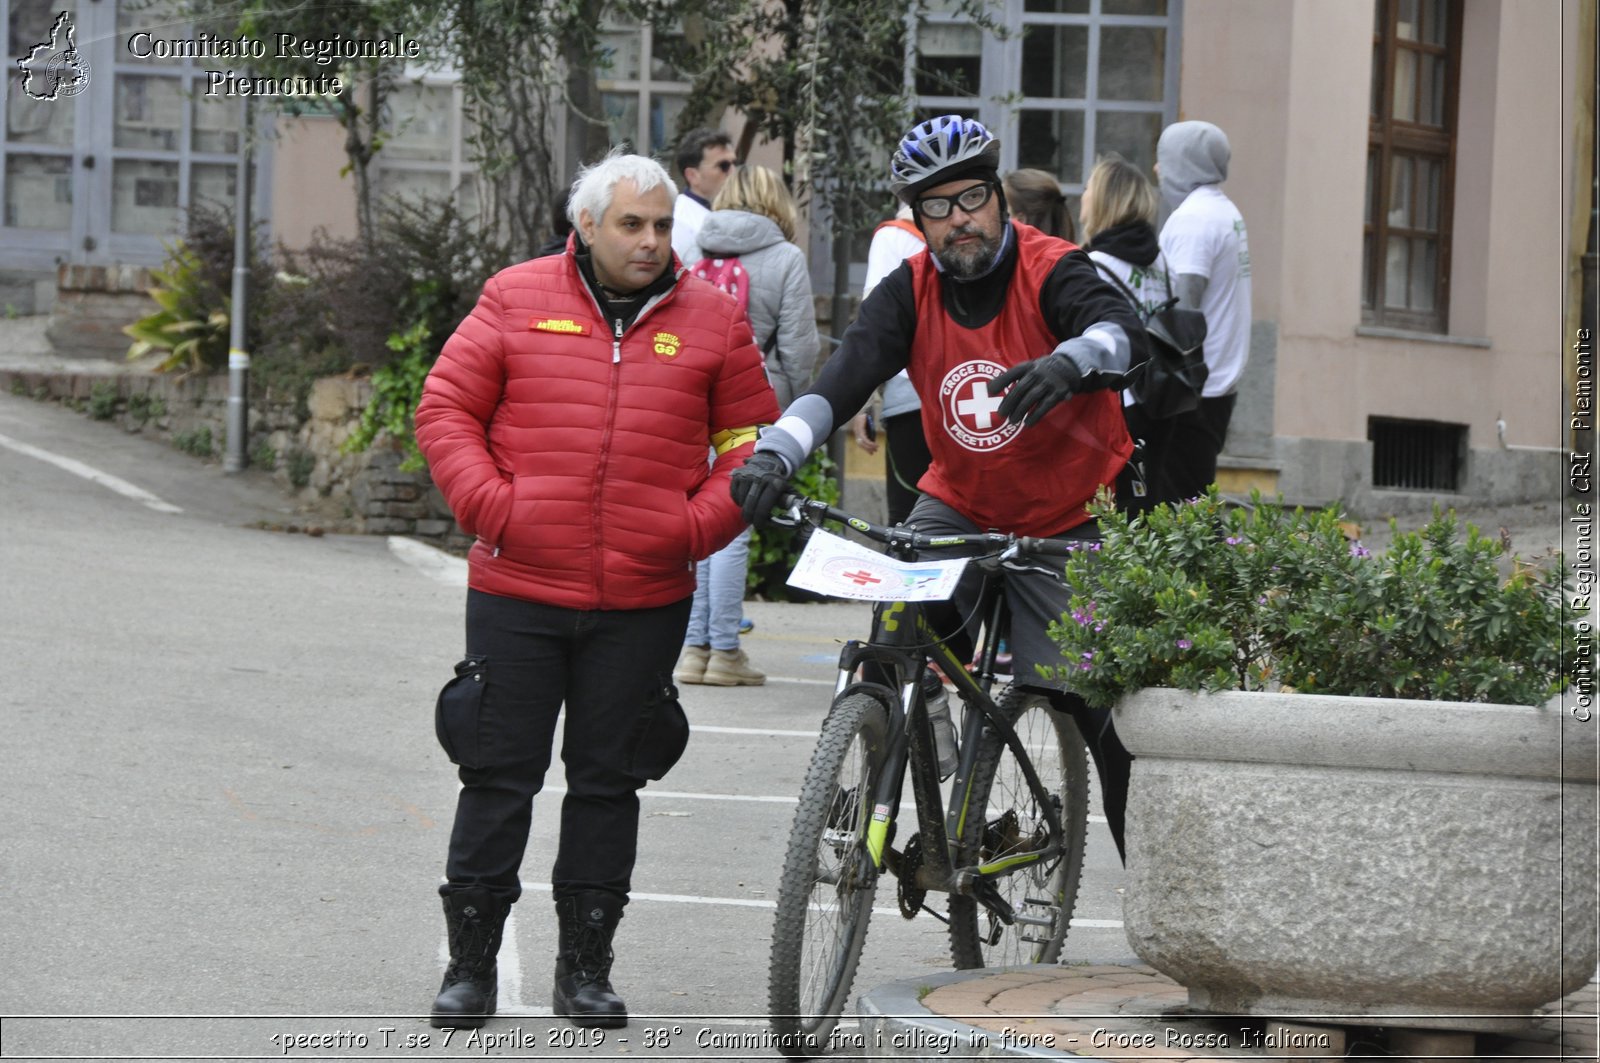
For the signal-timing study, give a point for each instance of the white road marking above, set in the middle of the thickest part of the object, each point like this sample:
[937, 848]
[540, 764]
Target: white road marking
[430, 561]
[753, 799]
[761, 731]
[93, 475]
[746, 902]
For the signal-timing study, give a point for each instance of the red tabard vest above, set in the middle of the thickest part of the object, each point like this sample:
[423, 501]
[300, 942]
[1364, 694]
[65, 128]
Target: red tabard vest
[1029, 481]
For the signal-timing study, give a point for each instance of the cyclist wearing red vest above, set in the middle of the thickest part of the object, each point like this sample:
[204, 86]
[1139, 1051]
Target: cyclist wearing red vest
[1012, 341]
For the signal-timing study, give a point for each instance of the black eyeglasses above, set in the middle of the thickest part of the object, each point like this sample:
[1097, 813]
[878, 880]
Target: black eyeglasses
[970, 200]
[727, 165]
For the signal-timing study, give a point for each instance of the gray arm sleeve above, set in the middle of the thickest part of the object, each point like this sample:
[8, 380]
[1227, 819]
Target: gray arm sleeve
[1102, 353]
[804, 426]
[1190, 288]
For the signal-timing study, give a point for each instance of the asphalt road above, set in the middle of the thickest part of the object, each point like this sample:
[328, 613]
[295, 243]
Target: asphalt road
[226, 815]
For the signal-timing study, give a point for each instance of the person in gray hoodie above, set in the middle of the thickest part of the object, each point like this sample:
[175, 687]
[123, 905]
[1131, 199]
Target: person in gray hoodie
[753, 219]
[1208, 255]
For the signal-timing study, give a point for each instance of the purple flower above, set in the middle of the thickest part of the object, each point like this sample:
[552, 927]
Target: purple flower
[1185, 644]
[1357, 550]
[1233, 540]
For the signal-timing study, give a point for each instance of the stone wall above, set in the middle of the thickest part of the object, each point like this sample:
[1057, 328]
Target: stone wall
[92, 304]
[300, 443]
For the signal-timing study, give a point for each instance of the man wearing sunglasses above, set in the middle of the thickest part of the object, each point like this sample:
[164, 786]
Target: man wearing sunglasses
[705, 158]
[1013, 342]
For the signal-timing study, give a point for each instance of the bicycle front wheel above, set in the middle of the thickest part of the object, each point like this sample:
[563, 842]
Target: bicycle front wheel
[825, 892]
[1040, 895]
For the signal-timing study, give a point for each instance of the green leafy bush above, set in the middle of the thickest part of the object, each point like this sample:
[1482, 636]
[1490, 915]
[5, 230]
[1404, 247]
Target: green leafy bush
[103, 401]
[396, 390]
[773, 551]
[1204, 596]
[191, 322]
[196, 441]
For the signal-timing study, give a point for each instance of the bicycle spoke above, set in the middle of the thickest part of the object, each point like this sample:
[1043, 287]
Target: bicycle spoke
[826, 890]
[1039, 895]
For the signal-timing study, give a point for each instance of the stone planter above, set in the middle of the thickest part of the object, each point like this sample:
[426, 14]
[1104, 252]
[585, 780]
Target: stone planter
[1299, 855]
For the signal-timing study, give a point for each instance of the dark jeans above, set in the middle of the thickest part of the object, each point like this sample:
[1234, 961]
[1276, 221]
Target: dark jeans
[602, 665]
[1179, 453]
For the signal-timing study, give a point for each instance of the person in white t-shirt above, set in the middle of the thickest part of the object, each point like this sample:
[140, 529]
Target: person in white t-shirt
[705, 158]
[1208, 254]
[893, 242]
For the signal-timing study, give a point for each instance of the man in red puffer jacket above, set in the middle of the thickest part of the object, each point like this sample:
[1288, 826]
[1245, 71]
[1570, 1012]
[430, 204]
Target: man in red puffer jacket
[567, 422]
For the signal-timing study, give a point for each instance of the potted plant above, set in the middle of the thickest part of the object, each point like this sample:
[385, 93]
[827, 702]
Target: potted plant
[1355, 792]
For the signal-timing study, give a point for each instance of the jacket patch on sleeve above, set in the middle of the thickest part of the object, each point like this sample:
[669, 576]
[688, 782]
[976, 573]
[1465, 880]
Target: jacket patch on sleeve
[667, 344]
[565, 324]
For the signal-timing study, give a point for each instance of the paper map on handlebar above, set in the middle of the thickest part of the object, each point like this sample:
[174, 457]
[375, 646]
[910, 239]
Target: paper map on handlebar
[839, 568]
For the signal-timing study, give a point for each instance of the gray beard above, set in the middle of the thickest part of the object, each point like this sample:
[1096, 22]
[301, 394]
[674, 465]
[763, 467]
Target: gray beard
[972, 262]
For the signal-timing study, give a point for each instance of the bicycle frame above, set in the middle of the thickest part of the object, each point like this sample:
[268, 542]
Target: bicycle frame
[902, 646]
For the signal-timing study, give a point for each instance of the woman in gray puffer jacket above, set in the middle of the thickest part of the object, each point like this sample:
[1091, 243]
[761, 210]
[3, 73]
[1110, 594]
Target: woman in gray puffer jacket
[753, 217]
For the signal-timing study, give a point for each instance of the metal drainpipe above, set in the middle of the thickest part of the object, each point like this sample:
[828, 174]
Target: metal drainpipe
[236, 456]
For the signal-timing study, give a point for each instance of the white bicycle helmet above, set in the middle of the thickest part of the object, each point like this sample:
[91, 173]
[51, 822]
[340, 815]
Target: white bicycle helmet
[938, 150]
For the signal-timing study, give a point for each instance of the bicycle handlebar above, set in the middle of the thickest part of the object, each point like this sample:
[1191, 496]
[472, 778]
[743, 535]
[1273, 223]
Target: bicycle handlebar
[798, 505]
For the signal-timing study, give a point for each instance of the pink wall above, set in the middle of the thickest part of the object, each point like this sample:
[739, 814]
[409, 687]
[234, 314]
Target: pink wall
[309, 192]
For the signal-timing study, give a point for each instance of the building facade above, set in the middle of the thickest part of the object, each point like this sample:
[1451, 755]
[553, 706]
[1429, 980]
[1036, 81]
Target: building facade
[1408, 170]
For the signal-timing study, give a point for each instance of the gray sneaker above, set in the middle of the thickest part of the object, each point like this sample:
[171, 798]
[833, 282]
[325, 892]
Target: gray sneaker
[731, 668]
[691, 666]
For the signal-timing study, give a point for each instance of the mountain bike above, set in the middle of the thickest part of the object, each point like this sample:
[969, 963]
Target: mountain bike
[1006, 846]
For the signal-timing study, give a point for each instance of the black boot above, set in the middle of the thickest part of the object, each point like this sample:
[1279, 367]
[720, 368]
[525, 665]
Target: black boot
[588, 921]
[467, 997]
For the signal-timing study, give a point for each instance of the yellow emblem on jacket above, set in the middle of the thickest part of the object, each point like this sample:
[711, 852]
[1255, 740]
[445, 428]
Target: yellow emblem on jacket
[667, 344]
[560, 325]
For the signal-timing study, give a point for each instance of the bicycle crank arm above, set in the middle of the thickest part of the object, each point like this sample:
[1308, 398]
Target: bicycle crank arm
[989, 896]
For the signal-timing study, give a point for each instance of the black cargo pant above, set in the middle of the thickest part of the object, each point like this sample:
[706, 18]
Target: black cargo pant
[604, 666]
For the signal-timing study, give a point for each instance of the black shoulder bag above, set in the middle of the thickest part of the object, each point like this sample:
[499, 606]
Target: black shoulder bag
[1170, 382]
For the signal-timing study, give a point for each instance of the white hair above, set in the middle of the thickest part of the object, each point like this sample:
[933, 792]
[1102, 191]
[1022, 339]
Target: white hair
[592, 190]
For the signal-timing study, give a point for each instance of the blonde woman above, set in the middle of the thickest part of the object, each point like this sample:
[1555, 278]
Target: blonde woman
[1118, 212]
[752, 219]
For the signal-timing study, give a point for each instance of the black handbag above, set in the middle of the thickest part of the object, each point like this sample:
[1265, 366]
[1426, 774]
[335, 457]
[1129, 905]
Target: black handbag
[1170, 382]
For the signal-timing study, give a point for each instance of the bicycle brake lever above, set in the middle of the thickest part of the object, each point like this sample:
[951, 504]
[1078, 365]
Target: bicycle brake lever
[792, 518]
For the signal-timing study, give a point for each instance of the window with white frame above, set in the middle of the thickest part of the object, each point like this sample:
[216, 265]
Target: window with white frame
[1071, 81]
[641, 92]
[426, 154]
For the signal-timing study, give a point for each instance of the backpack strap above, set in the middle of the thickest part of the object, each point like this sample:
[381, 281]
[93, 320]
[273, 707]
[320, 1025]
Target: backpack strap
[1110, 274]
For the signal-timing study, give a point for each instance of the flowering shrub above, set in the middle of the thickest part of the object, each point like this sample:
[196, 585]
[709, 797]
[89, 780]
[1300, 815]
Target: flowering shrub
[1207, 596]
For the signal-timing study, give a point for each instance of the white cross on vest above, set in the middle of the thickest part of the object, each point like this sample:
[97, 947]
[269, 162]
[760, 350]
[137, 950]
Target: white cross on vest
[980, 406]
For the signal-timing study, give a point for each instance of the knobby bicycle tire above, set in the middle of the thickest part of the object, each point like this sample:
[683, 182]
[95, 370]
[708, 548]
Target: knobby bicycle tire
[1045, 892]
[826, 890]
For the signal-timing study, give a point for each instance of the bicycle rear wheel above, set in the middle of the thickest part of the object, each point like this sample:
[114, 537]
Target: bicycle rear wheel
[1041, 895]
[826, 889]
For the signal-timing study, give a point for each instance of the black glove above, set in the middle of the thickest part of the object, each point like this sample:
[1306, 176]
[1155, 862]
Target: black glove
[1036, 387]
[757, 485]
